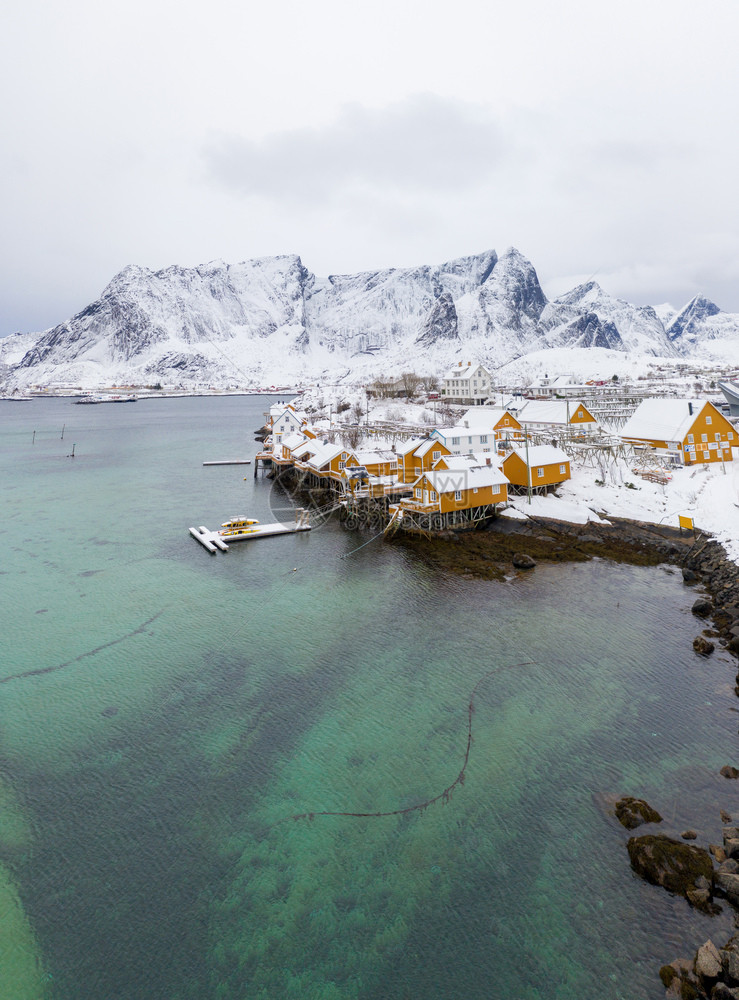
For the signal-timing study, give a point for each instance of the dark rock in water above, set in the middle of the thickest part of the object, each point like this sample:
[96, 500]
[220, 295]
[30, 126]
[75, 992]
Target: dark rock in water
[680, 981]
[725, 817]
[110, 711]
[723, 992]
[729, 772]
[702, 607]
[680, 868]
[689, 835]
[702, 646]
[633, 812]
[728, 884]
[523, 561]
[689, 576]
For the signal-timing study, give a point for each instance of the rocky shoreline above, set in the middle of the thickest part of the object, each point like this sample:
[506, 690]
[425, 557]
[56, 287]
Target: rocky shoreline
[688, 870]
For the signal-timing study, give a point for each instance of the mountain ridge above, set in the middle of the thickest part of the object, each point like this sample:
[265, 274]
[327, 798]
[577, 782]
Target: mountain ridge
[270, 319]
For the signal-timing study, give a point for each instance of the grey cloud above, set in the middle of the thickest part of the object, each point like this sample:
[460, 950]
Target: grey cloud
[425, 143]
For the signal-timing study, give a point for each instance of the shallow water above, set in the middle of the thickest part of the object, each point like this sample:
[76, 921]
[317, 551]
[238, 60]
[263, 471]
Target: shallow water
[165, 713]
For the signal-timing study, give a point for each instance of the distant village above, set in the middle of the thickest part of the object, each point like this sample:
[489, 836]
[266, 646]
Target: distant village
[483, 448]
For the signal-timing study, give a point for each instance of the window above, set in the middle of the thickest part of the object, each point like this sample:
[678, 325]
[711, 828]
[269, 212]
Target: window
[540, 473]
[458, 495]
[706, 456]
[704, 437]
[505, 422]
[485, 449]
[562, 470]
[282, 427]
[419, 493]
[394, 464]
[343, 456]
[690, 439]
[579, 415]
[730, 435]
[433, 496]
[436, 455]
[342, 465]
[455, 440]
[718, 436]
[709, 420]
[483, 439]
[495, 488]
[474, 489]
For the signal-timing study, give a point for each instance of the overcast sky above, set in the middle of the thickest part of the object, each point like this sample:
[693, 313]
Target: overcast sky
[600, 140]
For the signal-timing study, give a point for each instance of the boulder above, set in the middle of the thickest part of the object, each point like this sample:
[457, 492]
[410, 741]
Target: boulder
[689, 835]
[708, 961]
[523, 561]
[689, 576]
[729, 772]
[681, 868]
[632, 812]
[702, 646]
[702, 608]
[723, 992]
[728, 884]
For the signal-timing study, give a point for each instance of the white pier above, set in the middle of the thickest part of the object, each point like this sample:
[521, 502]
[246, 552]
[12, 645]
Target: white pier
[214, 540]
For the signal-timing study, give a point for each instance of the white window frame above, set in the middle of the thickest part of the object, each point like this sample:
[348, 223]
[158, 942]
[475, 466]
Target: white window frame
[458, 495]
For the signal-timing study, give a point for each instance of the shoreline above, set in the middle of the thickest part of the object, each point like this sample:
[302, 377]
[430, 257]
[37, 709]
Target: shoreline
[510, 545]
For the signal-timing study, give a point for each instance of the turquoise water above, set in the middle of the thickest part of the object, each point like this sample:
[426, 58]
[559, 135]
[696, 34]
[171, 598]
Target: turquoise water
[164, 714]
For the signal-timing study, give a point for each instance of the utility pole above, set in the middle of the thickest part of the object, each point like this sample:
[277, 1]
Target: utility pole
[528, 467]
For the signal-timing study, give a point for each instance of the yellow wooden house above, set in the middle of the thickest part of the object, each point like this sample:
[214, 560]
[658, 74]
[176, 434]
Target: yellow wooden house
[419, 456]
[552, 415]
[686, 431]
[542, 469]
[460, 496]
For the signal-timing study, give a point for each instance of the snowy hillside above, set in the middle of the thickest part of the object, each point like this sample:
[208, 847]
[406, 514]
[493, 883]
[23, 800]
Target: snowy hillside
[270, 321]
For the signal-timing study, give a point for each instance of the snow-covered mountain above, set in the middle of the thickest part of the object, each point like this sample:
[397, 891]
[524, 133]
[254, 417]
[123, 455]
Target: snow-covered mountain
[271, 321]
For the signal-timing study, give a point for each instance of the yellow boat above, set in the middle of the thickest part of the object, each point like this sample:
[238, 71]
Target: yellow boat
[239, 522]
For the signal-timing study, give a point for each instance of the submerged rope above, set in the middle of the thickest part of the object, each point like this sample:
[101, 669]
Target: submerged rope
[443, 796]
[90, 652]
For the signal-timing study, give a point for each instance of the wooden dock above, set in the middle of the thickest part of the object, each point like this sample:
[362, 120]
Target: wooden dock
[221, 539]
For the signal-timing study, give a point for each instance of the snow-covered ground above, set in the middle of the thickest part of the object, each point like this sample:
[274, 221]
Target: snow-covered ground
[709, 494]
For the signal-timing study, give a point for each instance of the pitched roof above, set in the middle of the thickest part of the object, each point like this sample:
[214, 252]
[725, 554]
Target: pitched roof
[540, 454]
[663, 419]
[444, 481]
[324, 454]
[549, 411]
[465, 371]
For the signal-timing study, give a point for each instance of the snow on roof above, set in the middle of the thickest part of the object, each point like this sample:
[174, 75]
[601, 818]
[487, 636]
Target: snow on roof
[475, 459]
[410, 446]
[662, 419]
[484, 415]
[426, 447]
[540, 454]
[324, 454]
[549, 411]
[374, 457]
[446, 480]
[293, 441]
[467, 371]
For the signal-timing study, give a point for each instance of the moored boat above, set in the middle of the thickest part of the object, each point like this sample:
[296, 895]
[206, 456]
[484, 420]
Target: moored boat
[238, 523]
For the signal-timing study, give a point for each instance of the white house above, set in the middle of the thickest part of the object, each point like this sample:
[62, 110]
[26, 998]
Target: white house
[467, 384]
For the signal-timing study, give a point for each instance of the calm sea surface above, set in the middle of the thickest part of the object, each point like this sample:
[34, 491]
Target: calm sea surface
[164, 714]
